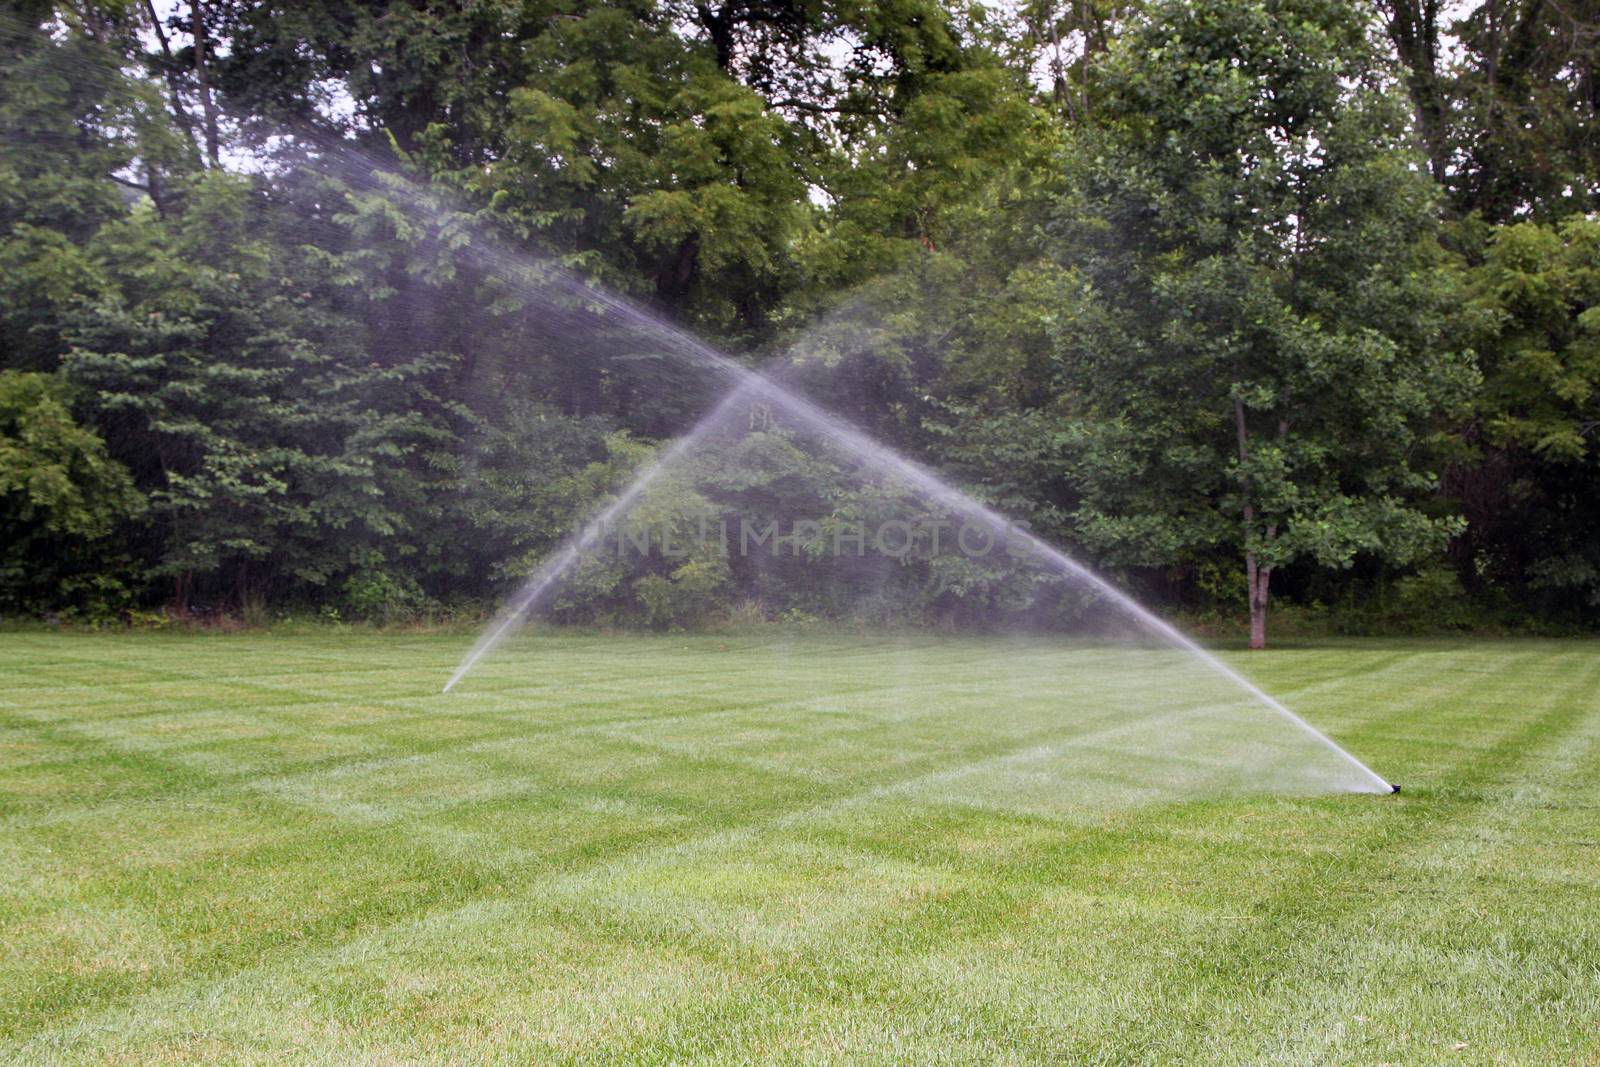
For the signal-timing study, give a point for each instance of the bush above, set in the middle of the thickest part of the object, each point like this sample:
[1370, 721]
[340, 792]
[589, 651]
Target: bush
[378, 596]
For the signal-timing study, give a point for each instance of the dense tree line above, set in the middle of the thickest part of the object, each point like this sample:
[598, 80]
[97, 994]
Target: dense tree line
[1239, 299]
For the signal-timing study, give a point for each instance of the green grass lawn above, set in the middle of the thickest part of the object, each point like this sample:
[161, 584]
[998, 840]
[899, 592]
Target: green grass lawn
[253, 848]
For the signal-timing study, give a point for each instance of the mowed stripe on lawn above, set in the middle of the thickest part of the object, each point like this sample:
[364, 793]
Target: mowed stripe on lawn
[663, 904]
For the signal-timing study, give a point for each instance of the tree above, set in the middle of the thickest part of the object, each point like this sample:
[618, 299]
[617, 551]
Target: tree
[1253, 347]
[1413, 27]
[274, 450]
[1063, 39]
[1530, 483]
[597, 133]
[81, 137]
[1507, 102]
[62, 496]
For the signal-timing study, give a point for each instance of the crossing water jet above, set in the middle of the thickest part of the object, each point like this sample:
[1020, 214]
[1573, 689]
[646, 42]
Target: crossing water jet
[571, 306]
[750, 385]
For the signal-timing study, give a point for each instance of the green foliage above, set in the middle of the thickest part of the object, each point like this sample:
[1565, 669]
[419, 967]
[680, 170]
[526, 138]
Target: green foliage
[1541, 286]
[381, 596]
[70, 119]
[626, 142]
[1525, 105]
[313, 385]
[1529, 480]
[1255, 346]
[598, 131]
[516, 488]
[62, 497]
[685, 595]
[278, 463]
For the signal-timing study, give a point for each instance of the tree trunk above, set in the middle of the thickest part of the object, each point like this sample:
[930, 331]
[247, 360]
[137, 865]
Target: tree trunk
[1259, 579]
[1256, 576]
[719, 27]
[169, 71]
[674, 281]
[1414, 30]
[202, 76]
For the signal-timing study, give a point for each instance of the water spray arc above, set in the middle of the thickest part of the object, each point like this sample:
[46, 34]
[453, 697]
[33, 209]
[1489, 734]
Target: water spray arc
[751, 385]
[568, 303]
[550, 572]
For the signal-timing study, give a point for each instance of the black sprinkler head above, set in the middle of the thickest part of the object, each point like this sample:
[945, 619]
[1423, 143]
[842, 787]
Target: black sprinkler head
[1393, 788]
